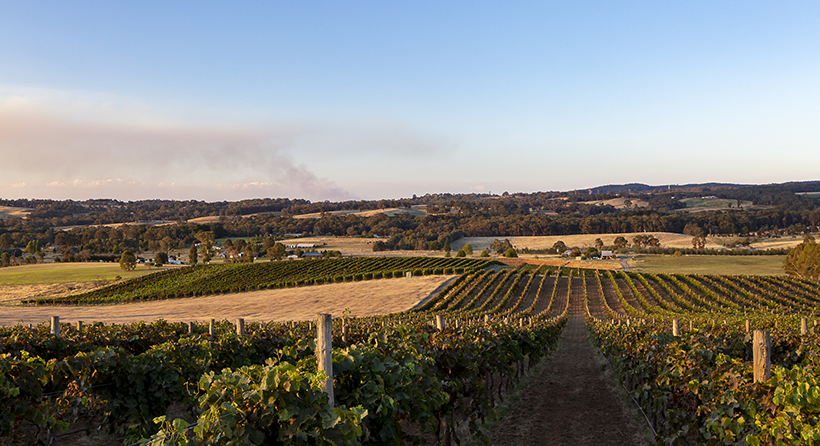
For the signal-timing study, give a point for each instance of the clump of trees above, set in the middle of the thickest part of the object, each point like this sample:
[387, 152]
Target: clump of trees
[804, 260]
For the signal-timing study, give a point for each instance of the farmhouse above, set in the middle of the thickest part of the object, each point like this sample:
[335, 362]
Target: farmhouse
[607, 255]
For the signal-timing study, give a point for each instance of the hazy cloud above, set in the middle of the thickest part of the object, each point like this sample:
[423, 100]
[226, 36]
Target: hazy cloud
[53, 150]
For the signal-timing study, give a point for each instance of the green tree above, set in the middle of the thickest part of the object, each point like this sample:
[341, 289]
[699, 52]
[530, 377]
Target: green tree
[803, 261]
[33, 246]
[699, 241]
[447, 245]
[207, 251]
[193, 254]
[468, 249]
[620, 242]
[599, 243]
[559, 247]
[510, 253]
[484, 253]
[5, 241]
[161, 258]
[461, 253]
[128, 261]
[277, 251]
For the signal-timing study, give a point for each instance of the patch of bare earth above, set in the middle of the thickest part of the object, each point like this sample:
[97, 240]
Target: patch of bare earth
[366, 298]
[570, 402]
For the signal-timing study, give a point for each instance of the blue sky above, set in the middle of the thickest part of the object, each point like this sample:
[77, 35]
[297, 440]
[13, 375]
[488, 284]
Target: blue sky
[363, 100]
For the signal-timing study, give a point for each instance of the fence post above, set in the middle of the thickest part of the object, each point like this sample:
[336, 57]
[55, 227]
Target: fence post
[804, 326]
[324, 352]
[486, 319]
[748, 326]
[191, 327]
[80, 327]
[240, 327]
[761, 349]
[55, 325]
[212, 328]
[440, 322]
[675, 327]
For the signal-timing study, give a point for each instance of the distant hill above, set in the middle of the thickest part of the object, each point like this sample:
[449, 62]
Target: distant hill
[640, 187]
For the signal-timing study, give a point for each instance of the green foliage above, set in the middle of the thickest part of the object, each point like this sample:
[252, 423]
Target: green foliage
[128, 261]
[270, 404]
[803, 261]
[468, 248]
[510, 252]
[193, 255]
[160, 258]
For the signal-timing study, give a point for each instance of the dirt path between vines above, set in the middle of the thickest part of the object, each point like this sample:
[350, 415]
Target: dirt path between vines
[570, 403]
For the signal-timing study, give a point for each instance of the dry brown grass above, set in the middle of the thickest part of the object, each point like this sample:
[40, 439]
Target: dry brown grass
[366, 298]
[618, 203]
[356, 246]
[10, 212]
[415, 211]
[667, 239]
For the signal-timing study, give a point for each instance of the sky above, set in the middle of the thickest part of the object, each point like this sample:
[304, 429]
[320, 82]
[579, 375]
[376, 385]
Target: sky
[372, 99]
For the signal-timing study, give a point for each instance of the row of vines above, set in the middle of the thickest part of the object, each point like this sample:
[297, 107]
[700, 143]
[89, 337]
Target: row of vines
[398, 379]
[698, 387]
[202, 280]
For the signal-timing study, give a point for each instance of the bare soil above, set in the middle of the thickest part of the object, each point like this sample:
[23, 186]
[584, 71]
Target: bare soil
[571, 402]
[366, 298]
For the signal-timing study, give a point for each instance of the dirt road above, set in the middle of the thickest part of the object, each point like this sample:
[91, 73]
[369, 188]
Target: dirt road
[569, 404]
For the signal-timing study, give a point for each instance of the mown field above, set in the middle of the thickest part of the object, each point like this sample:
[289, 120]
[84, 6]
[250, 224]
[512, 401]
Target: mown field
[764, 265]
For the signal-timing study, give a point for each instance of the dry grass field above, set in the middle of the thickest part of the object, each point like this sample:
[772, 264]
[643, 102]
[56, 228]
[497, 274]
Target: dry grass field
[415, 211]
[667, 239]
[618, 203]
[699, 204]
[356, 246]
[366, 298]
[10, 212]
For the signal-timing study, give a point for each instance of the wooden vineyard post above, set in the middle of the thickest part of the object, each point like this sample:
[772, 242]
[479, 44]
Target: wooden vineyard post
[804, 326]
[628, 322]
[212, 328]
[675, 327]
[486, 319]
[691, 325]
[240, 327]
[439, 322]
[80, 327]
[748, 326]
[761, 349]
[344, 333]
[324, 352]
[55, 325]
[191, 327]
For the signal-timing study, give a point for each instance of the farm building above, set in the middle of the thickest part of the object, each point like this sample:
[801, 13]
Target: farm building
[607, 255]
[302, 246]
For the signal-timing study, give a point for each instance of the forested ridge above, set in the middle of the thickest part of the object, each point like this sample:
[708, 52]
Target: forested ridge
[777, 209]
